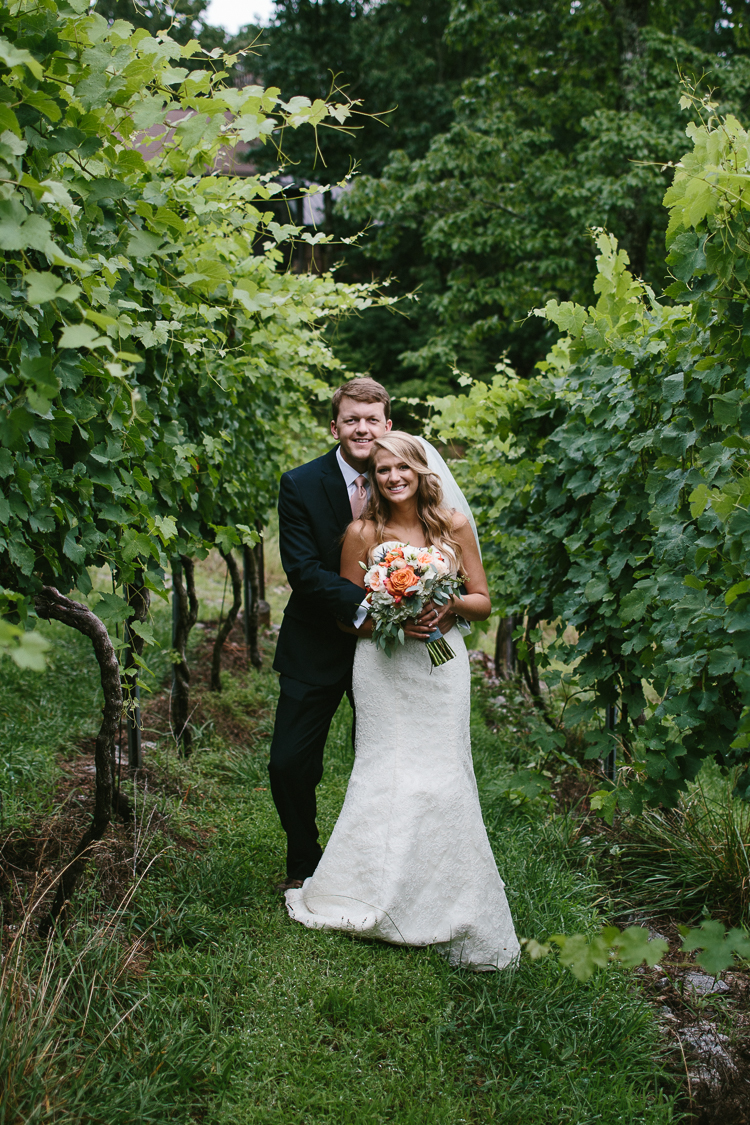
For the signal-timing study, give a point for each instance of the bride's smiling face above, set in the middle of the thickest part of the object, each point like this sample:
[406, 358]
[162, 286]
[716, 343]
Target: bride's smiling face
[396, 480]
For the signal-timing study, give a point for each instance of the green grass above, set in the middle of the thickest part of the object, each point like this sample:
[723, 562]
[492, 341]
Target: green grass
[321, 1027]
[42, 714]
[245, 1017]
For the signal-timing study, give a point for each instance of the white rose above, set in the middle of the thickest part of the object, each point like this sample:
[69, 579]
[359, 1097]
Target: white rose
[440, 564]
[374, 578]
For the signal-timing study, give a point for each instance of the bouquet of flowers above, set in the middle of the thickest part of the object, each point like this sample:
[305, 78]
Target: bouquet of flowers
[400, 582]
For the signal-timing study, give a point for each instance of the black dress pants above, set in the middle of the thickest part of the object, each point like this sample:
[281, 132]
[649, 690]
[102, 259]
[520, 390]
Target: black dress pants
[303, 718]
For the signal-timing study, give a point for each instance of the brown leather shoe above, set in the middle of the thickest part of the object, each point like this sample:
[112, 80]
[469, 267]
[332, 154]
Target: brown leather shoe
[289, 885]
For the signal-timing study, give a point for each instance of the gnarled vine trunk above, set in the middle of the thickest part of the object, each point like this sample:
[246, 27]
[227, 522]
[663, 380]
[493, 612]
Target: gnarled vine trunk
[252, 602]
[505, 647]
[51, 605]
[227, 626]
[185, 605]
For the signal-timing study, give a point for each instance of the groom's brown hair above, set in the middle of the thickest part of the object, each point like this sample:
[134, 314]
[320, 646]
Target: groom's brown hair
[361, 389]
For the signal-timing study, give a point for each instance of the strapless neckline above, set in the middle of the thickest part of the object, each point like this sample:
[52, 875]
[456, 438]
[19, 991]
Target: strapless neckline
[401, 542]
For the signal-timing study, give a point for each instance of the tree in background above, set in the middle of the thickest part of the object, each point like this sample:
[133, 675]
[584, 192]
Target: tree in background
[395, 57]
[185, 19]
[566, 125]
[515, 128]
[500, 133]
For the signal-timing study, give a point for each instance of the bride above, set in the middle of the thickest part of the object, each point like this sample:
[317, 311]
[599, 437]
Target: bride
[409, 861]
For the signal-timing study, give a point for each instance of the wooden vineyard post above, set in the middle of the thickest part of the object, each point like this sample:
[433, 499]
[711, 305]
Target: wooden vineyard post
[176, 573]
[184, 616]
[260, 559]
[139, 598]
[610, 764]
[133, 713]
[247, 595]
[264, 609]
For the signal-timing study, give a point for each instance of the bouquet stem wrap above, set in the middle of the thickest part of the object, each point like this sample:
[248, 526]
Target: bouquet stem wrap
[439, 649]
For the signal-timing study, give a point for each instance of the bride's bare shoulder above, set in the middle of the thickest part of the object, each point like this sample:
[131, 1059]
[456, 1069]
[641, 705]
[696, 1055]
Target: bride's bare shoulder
[459, 520]
[361, 531]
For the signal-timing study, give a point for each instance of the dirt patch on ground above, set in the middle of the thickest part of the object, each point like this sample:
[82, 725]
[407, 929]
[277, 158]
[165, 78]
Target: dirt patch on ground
[206, 709]
[573, 790]
[32, 858]
[234, 654]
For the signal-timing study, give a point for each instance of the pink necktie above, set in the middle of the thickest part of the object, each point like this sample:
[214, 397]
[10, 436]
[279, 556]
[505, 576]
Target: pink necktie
[358, 498]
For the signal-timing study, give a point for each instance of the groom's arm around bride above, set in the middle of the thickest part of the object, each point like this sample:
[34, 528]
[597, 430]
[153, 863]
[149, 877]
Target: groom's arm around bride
[313, 656]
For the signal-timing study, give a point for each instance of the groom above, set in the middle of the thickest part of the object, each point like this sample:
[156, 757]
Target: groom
[314, 657]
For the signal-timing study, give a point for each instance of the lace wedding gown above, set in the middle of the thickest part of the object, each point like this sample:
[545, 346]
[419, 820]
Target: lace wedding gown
[409, 861]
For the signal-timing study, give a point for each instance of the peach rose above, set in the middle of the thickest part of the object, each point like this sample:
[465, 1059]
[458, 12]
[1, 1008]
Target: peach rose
[400, 581]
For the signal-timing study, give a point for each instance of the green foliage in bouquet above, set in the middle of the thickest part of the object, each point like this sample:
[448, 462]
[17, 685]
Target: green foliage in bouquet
[613, 490]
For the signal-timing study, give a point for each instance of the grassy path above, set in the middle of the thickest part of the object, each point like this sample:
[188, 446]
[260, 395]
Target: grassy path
[242, 1017]
[318, 1027]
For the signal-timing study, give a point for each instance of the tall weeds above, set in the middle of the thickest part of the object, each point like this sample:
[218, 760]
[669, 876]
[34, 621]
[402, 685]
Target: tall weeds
[691, 857]
[31, 1077]
[51, 994]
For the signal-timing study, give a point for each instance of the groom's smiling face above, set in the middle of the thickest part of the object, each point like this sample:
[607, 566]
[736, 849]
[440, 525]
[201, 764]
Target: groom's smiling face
[357, 426]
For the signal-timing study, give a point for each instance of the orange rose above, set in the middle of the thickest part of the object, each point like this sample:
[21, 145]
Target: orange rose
[401, 580]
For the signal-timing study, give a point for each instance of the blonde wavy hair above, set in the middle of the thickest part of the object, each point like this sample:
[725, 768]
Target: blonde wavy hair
[436, 519]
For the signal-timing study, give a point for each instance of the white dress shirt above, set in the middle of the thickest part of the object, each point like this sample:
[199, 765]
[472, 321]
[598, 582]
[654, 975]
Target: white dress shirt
[350, 480]
[350, 475]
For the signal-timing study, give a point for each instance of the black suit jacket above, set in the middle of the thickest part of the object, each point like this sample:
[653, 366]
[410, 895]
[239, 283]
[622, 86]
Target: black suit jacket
[314, 511]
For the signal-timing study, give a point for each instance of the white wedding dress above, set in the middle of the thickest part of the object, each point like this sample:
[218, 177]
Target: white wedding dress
[409, 861]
